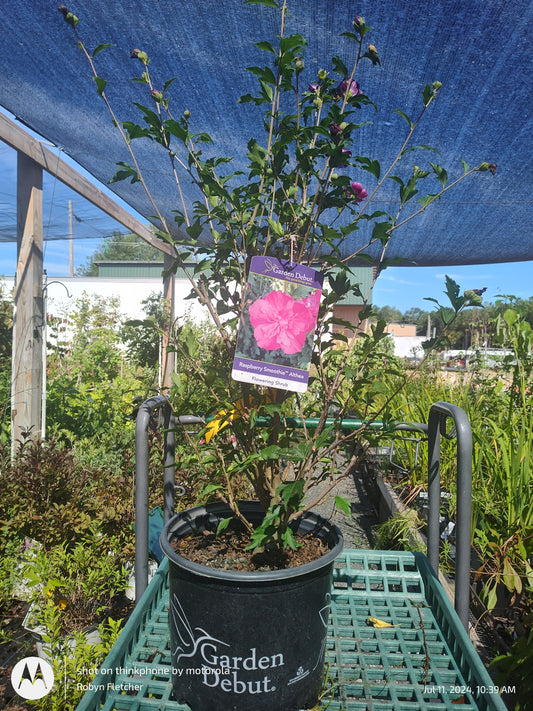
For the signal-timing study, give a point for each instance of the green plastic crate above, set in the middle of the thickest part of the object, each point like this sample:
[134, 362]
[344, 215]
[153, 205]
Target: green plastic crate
[425, 661]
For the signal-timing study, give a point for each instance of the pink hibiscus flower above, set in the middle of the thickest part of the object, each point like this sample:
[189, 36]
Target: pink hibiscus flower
[357, 192]
[279, 322]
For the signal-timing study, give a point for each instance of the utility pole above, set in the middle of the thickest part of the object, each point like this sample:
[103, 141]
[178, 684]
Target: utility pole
[26, 368]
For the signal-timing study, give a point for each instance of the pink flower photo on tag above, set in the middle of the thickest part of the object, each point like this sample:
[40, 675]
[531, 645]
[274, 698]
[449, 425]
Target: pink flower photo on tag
[280, 321]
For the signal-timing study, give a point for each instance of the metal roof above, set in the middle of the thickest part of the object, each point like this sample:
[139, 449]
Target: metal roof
[479, 49]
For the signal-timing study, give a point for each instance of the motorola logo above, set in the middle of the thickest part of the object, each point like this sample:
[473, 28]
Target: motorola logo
[32, 678]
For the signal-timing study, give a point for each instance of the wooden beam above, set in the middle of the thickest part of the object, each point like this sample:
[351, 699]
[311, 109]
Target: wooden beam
[27, 369]
[20, 140]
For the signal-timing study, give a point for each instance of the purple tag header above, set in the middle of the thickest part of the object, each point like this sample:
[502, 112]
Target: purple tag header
[290, 271]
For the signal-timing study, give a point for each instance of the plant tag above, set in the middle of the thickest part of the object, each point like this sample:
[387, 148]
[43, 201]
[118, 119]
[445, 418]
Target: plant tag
[277, 328]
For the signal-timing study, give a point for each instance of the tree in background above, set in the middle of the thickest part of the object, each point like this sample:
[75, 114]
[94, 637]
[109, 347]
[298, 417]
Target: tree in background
[121, 248]
[6, 337]
[142, 338]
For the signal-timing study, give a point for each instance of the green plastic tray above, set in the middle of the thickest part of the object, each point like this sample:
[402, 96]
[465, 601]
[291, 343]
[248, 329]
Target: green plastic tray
[423, 661]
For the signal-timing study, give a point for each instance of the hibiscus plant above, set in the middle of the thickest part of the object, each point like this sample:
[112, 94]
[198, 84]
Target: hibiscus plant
[303, 194]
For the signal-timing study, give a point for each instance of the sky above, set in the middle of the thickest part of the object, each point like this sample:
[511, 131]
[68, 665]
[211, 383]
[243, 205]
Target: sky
[400, 287]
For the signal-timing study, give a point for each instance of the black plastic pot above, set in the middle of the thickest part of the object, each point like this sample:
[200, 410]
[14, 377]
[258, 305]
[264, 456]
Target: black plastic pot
[247, 641]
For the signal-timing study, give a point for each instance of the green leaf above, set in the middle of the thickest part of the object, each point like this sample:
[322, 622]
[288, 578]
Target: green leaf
[441, 174]
[195, 230]
[276, 227]
[404, 116]
[267, 90]
[264, 73]
[268, 3]
[202, 137]
[466, 167]
[344, 505]
[447, 315]
[100, 84]
[271, 452]
[339, 66]
[427, 93]
[168, 83]
[295, 41]
[124, 173]
[208, 490]
[491, 598]
[408, 191]
[452, 292]
[427, 199]
[381, 231]
[419, 147]
[265, 46]
[292, 493]
[143, 79]
[100, 48]
[289, 540]
[134, 130]
[176, 129]
[372, 166]
[223, 525]
[511, 578]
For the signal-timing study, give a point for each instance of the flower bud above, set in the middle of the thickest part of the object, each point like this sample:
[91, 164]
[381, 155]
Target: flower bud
[483, 167]
[335, 130]
[299, 64]
[474, 297]
[70, 18]
[157, 96]
[436, 85]
[186, 114]
[322, 74]
[140, 55]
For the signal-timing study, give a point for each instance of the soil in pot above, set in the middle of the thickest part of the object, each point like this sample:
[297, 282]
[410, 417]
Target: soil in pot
[227, 551]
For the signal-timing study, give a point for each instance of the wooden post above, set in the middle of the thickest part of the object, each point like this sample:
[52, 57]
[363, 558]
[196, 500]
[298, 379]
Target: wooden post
[168, 358]
[27, 369]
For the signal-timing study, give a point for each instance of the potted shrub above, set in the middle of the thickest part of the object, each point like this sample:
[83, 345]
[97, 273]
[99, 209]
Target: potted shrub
[262, 249]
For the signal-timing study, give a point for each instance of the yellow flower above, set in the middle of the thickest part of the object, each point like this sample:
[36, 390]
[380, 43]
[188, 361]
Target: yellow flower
[223, 418]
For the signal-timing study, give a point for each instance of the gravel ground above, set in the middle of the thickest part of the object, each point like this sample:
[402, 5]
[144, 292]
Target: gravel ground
[358, 529]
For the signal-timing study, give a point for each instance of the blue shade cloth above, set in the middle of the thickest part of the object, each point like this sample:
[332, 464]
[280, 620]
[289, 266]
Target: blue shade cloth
[479, 49]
